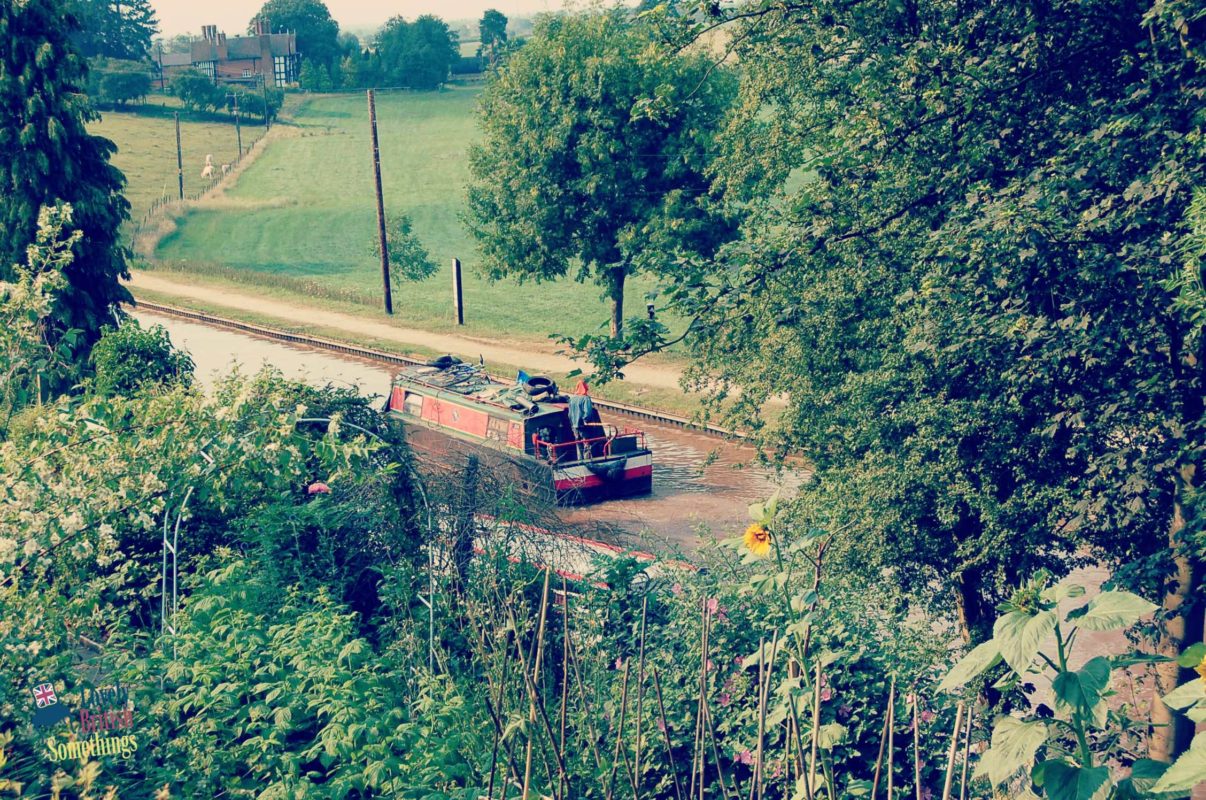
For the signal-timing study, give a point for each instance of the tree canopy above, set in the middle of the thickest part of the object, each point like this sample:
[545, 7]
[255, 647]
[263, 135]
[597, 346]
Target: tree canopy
[595, 155]
[961, 223]
[121, 29]
[416, 55]
[317, 33]
[493, 31]
[47, 157]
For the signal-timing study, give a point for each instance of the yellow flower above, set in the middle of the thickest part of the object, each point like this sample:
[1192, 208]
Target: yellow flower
[757, 539]
[1201, 669]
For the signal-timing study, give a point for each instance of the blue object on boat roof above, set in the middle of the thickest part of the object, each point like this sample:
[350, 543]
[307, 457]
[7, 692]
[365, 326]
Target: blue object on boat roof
[522, 377]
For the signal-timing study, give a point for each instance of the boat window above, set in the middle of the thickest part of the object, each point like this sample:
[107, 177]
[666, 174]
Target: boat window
[413, 404]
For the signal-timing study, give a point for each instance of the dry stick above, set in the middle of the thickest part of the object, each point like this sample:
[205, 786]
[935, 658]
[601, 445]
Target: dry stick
[590, 725]
[703, 698]
[527, 765]
[891, 733]
[724, 779]
[697, 745]
[764, 691]
[816, 725]
[879, 760]
[661, 710]
[615, 758]
[950, 754]
[494, 717]
[565, 609]
[640, 689]
[966, 755]
[916, 745]
[795, 724]
[502, 684]
[534, 694]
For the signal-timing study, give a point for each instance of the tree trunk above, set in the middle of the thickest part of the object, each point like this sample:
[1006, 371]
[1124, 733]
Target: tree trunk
[975, 625]
[1182, 626]
[616, 292]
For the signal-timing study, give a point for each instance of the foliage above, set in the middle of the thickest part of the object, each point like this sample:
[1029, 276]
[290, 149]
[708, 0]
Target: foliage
[117, 29]
[197, 91]
[252, 102]
[47, 157]
[416, 55]
[595, 153]
[317, 33]
[1065, 753]
[408, 258]
[115, 83]
[959, 221]
[32, 359]
[493, 32]
[129, 358]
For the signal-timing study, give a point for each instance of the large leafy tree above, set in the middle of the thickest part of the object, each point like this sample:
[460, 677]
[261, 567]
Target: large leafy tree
[594, 156]
[493, 30]
[416, 55]
[121, 29]
[317, 33]
[47, 156]
[963, 218]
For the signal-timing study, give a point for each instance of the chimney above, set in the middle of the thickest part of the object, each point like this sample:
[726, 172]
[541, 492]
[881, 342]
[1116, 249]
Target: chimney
[209, 33]
[261, 26]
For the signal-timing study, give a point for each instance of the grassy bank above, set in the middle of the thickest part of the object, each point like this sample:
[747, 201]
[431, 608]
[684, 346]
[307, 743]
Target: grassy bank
[303, 216]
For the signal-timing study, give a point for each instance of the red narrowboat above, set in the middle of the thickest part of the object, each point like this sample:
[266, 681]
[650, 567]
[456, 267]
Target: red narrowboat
[552, 445]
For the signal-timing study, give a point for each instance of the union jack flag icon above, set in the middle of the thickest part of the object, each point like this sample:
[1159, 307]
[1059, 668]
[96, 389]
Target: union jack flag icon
[44, 695]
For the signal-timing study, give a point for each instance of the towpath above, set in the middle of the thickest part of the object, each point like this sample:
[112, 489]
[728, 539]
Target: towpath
[467, 347]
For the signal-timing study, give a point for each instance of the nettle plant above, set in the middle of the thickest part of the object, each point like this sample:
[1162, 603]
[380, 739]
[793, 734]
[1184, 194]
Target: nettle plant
[1073, 752]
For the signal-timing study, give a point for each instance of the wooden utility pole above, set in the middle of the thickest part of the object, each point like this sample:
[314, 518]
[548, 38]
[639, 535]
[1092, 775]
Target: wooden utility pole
[456, 291]
[238, 128]
[179, 156]
[382, 243]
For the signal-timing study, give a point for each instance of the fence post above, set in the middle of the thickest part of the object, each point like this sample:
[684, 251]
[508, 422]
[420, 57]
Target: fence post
[457, 297]
[382, 242]
[179, 157]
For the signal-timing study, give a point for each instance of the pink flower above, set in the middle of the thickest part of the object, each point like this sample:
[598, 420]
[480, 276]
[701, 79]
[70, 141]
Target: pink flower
[740, 662]
[619, 663]
[927, 716]
[778, 771]
[728, 684]
[711, 666]
[676, 589]
[826, 694]
[661, 726]
[744, 757]
[725, 699]
[713, 605]
[318, 487]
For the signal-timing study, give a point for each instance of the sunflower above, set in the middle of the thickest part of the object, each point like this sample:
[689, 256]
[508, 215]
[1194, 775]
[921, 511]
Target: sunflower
[1201, 669]
[757, 539]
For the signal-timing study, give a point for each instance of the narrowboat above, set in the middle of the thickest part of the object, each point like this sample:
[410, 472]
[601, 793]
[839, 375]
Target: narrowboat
[551, 445]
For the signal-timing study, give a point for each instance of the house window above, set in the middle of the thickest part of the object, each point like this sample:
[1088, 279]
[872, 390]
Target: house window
[246, 73]
[280, 70]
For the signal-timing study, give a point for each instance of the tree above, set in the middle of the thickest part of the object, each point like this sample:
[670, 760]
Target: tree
[317, 33]
[197, 91]
[417, 55]
[48, 157]
[962, 222]
[307, 77]
[121, 29]
[408, 258]
[595, 154]
[493, 29]
[116, 83]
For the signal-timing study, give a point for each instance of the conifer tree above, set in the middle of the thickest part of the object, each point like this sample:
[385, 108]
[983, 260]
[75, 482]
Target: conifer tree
[47, 156]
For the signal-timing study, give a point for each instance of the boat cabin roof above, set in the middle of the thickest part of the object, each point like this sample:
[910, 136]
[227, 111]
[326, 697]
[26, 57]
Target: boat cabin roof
[472, 383]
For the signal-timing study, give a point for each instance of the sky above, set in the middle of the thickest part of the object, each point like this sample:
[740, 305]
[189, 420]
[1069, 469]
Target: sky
[231, 16]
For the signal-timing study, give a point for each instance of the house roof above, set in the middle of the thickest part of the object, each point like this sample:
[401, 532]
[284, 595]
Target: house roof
[176, 59]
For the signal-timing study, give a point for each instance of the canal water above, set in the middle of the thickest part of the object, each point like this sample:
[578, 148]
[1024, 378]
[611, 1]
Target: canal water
[702, 484]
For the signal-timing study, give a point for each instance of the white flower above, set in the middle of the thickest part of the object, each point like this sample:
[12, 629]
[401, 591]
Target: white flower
[8, 550]
[31, 547]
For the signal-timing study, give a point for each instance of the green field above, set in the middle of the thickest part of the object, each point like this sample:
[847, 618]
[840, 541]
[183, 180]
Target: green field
[304, 212]
[146, 148]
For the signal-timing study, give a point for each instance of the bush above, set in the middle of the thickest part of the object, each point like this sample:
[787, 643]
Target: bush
[197, 91]
[129, 358]
[114, 82]
[252, 103]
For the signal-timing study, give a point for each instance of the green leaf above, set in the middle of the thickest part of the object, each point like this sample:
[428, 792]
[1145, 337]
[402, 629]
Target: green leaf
[1080, 692]
[982, 658]
[1144, 774]
[1018, 635]
[1186, 772]
[831, 735]
[1192, 655]
[1063, 591]
[1111, 610]
[1014, 744]
[1063, 781]
[1185, 695]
